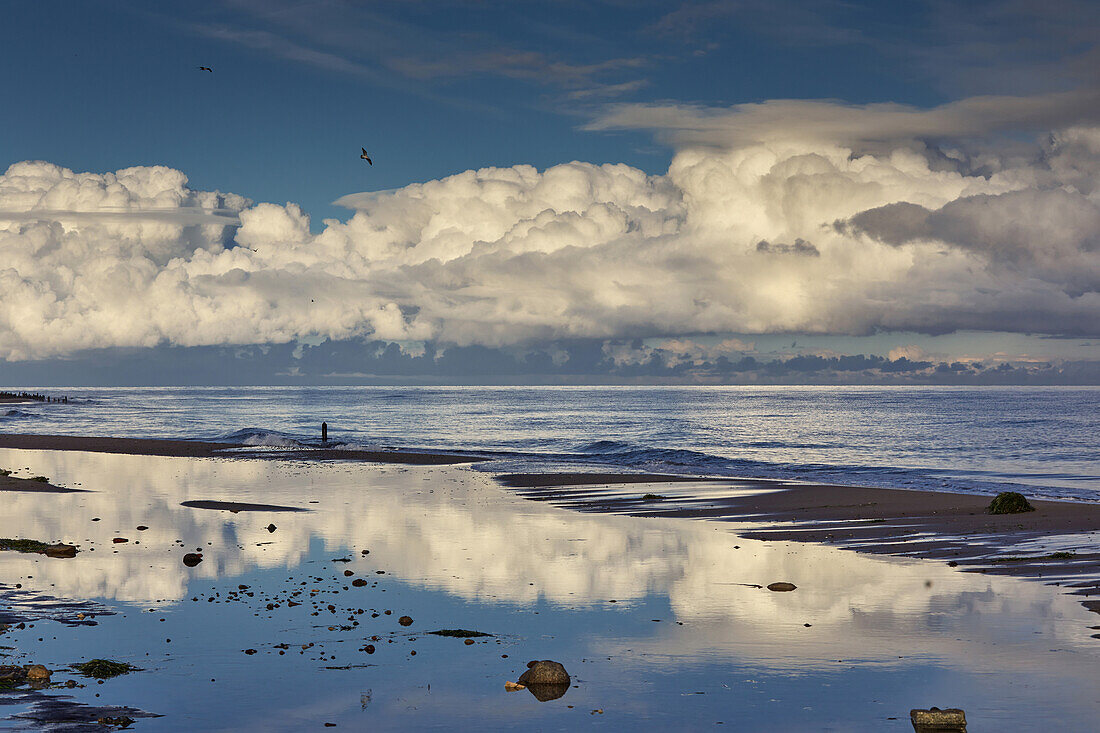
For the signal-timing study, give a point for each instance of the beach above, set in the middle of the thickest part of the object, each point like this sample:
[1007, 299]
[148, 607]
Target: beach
[650, 589]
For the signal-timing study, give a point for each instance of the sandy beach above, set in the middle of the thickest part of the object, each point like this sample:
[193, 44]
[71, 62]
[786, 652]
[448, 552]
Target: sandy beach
[200, 449]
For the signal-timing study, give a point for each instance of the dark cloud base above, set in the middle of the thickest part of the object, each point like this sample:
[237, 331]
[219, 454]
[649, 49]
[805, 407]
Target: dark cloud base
[571, 362]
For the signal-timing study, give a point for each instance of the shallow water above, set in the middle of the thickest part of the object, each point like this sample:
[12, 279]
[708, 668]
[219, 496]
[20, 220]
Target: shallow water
[1043, 440]
[684, 644]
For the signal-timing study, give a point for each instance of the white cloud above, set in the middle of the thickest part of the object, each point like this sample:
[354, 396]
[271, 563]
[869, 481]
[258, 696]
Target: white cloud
[906, 238]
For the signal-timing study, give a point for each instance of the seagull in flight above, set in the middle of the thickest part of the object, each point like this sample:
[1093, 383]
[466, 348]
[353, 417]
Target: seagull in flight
[206, 68]
[365, 157]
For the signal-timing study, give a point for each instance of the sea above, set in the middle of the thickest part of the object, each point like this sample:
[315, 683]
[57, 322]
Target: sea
[1043, 441]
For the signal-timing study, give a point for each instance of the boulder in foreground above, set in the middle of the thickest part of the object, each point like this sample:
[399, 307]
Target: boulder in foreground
[544, 672]
[934, 720]
[1009, 502]
[545, 679]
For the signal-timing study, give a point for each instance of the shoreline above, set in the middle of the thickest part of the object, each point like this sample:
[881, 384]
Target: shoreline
[206, 449]
[933, 525]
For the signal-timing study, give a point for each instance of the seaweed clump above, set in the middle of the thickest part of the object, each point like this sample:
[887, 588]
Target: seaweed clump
[22, 545]
[103, 669]
[1010, 502]
[58, 550]
[459, 633]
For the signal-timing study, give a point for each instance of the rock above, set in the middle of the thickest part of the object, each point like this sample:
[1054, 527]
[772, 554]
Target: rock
[11, 675]
[60, 550]
[271, 528]
[141, 528]
[782, 587]
[513, 686]
[405, 621]
[358, 582]
[544, 672]
[1009, 502]
[119, 540]
[468, 642]
[192, 559]
[348, 573]
[37, 673]
[934, 720]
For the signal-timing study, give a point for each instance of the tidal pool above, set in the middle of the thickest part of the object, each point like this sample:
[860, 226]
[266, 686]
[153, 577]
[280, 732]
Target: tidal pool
[657, 620]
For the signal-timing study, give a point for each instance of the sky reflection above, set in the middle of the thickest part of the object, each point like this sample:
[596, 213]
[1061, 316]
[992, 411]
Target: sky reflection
[458, 550]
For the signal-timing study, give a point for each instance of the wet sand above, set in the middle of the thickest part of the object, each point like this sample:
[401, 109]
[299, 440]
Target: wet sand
[12, 483]
[1059, 541]
[198, 449]
[926, 524]
[665, 624]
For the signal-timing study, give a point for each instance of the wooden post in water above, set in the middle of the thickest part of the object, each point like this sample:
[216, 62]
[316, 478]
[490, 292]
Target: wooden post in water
[324, 432]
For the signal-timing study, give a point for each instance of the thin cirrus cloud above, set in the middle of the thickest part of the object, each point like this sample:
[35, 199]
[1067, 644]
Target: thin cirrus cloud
[865, 229]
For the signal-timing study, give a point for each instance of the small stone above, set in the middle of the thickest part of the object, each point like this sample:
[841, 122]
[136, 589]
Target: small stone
[782, 587]
[119, 540]
[513, 686]
[468, 642]
[141, 528]
[952, 564]
[405, 621]
[271, 528]
[348, 573]
[358, 582]
[192, 559]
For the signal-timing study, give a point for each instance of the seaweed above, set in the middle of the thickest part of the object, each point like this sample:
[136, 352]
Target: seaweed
[23, 545]
[1009, 502]
[1033, 558]
[103, 669]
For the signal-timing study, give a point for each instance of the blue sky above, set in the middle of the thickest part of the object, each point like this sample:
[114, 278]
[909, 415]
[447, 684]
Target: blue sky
[434, 88]
[996, 101]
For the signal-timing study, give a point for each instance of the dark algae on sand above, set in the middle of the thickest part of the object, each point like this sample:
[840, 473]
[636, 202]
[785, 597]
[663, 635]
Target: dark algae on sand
[103, 669]
[1010, 502]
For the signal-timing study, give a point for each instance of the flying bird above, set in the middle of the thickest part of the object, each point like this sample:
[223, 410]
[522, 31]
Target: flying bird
[365, 157]
[206, 68]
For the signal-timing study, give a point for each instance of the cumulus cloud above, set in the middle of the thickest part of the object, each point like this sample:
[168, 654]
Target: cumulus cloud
[834, 221]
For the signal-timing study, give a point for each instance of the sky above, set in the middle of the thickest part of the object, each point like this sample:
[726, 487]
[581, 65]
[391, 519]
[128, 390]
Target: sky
[715, 191]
